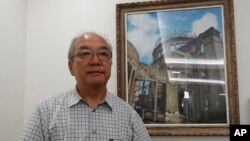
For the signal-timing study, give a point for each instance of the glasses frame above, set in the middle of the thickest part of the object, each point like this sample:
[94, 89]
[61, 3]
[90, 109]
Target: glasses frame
[79, 54]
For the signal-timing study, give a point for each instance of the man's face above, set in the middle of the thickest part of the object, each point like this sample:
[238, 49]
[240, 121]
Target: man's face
[89, 68]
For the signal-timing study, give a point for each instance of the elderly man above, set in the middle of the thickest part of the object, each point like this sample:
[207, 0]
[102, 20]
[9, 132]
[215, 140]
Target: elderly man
[88, 112]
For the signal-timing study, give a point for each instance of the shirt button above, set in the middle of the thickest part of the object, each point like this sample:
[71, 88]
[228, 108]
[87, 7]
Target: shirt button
[94, 110]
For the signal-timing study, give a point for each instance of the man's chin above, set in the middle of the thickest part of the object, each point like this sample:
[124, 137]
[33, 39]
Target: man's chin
[97, 82]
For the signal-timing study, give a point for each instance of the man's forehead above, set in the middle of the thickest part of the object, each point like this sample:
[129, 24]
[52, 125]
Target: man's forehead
[90, 39]
[84, 47]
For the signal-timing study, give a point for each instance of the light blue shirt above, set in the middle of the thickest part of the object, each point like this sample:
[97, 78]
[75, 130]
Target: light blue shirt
[67, 117]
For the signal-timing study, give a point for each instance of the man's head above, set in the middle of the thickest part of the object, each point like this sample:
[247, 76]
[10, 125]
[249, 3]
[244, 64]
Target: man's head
[90, 59]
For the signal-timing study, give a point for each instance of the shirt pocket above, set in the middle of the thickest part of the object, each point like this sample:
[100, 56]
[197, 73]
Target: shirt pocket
[56, 132]
[110, 139]
[113, 134]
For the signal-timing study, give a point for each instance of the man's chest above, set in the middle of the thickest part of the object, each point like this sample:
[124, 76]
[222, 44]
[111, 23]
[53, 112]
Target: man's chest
[81, 123]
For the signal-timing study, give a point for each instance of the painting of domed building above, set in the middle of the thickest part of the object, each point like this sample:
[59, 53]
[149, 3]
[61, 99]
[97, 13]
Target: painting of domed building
[184, 82]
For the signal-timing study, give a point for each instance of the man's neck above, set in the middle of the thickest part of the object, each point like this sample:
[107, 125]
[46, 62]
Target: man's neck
[92, 95]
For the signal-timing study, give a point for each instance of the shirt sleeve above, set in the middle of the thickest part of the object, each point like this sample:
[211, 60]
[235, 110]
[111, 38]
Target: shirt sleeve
[140, 132]
[35, 128]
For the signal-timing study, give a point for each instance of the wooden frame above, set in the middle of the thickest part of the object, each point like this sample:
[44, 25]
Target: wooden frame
[188, 86]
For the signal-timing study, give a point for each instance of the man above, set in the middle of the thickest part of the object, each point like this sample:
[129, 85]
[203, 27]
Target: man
[88, 112]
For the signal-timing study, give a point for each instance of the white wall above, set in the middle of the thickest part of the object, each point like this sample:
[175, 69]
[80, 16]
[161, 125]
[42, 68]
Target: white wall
[50, 26]
[12, 62]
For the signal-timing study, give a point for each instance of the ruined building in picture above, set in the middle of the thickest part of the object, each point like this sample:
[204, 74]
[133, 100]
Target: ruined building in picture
[185, 83]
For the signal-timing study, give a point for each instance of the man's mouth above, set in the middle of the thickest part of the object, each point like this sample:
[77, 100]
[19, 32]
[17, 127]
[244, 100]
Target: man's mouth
[90, 72]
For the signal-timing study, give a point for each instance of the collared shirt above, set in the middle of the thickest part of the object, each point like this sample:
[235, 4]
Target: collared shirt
[66, 117]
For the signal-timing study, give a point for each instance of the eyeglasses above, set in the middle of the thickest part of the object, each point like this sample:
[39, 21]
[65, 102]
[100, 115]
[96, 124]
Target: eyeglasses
[87, 54]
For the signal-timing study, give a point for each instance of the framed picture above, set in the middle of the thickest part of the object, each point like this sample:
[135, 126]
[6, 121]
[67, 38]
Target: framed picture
[176, 65]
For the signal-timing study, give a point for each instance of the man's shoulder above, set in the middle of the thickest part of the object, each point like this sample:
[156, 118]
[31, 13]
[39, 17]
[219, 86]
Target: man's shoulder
[120, 104]
[55, 100]
[117, 100]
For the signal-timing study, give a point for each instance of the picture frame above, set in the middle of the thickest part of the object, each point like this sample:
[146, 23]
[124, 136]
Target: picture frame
[177, 67]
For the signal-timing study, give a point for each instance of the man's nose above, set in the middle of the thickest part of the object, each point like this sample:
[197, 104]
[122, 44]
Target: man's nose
[95, 59]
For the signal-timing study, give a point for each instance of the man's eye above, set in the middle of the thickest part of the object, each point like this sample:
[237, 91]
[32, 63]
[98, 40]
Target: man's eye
[84, 54]
[103, 54]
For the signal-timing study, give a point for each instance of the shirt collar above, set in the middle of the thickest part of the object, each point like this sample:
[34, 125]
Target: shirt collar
[109, 100]
[74, 98]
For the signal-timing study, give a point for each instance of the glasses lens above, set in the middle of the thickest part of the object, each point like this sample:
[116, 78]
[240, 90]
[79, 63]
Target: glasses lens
[85, 54]
[104, 54]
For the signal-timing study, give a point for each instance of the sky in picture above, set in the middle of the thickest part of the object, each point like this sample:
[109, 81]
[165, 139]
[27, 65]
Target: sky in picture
[144, 29]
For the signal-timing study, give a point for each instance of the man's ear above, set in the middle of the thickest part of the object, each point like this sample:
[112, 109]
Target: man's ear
[70, 66]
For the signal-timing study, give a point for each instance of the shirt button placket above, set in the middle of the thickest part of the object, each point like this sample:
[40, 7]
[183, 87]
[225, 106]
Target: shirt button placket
[94, 131]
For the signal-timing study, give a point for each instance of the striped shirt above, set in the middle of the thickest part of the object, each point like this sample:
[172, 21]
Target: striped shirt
[68, 117]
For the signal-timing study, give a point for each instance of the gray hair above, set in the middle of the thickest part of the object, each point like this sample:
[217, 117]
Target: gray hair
[71, 47]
